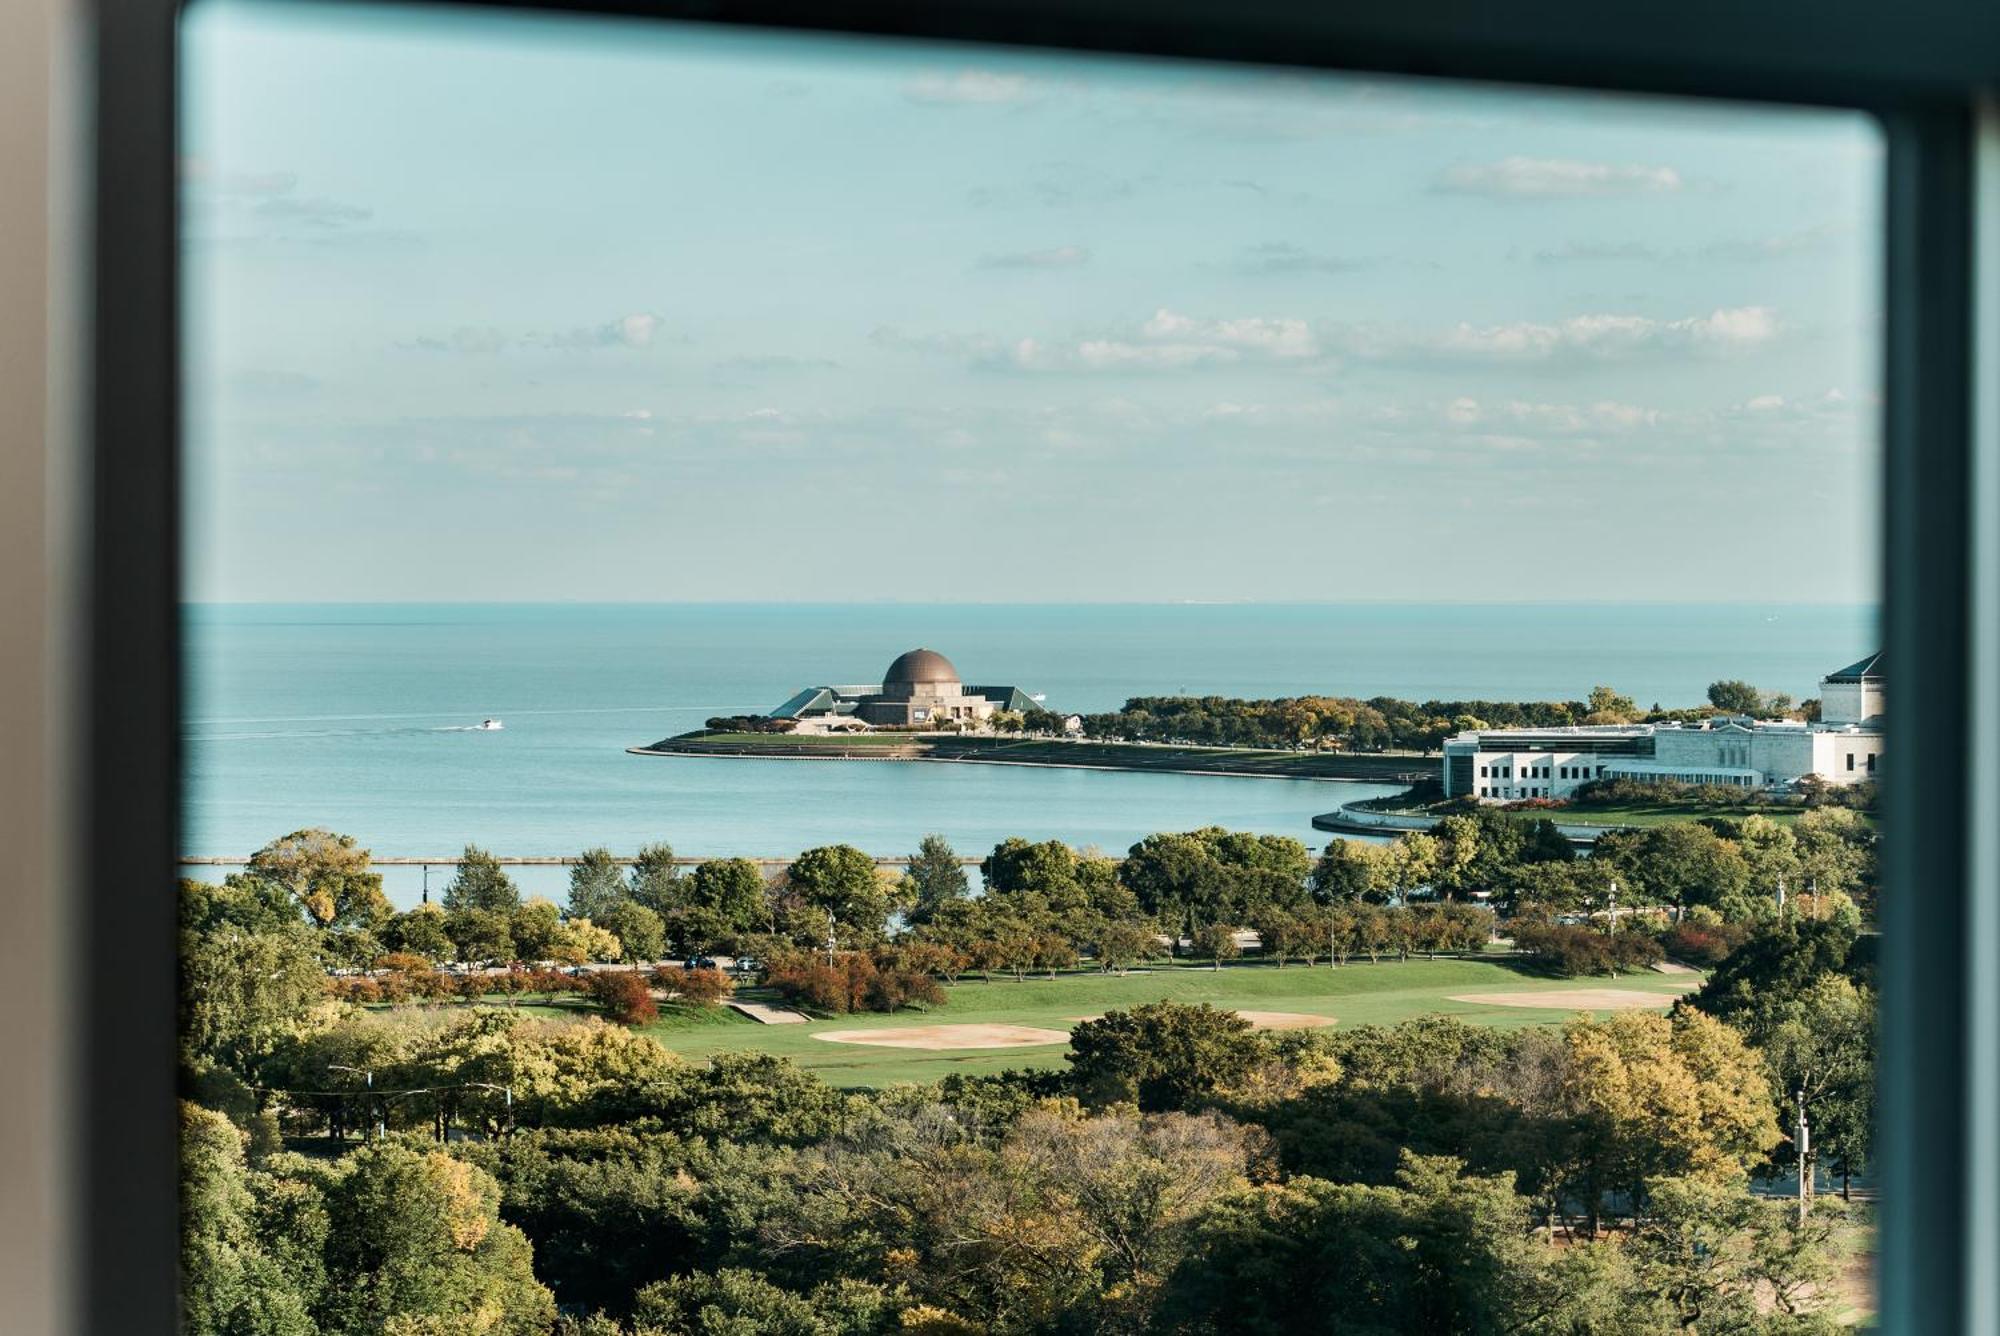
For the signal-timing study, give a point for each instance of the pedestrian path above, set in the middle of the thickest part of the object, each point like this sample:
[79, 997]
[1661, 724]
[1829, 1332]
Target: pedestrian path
[769, 1015]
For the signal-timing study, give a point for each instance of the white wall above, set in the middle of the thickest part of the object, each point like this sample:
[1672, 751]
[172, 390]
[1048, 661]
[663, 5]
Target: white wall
[40, 236]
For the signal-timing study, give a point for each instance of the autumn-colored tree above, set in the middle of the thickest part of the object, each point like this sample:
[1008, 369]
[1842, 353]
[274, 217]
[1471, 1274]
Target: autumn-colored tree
[328, 874]
[624, 997]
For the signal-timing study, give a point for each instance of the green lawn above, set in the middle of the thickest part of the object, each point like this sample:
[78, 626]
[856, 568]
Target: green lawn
[1621, 814]
[1356, 993]
[1661, 814]
[839, 742]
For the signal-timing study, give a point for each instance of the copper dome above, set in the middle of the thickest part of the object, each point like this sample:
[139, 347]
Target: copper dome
[919, 667]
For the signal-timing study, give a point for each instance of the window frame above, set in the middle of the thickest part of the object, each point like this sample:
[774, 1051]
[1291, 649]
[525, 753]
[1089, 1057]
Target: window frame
[1924, 67]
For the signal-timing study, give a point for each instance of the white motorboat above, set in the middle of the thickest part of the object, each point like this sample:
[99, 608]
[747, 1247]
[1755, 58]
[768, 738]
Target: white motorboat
[490, 725]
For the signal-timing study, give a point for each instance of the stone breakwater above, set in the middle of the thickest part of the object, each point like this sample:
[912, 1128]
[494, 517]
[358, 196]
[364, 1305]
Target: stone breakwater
[1130, 757]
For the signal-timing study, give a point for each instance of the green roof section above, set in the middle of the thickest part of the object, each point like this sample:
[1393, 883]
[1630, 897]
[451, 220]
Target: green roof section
[1865, 670]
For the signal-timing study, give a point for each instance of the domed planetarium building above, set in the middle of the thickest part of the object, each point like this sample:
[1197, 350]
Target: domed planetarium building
[920, 688]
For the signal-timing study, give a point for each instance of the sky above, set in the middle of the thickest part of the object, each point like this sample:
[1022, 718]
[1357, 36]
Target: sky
[528, 309]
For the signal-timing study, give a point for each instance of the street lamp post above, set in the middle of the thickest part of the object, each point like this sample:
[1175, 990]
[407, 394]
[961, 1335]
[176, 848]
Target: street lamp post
[368, 1079]
[507, 1095]
[1805, 1157]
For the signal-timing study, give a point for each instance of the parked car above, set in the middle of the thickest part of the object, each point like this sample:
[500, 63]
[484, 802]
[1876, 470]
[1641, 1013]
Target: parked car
[699, 963]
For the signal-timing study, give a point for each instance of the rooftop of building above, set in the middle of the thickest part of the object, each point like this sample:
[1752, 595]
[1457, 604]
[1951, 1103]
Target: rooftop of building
[1869, 669]
[920, 667]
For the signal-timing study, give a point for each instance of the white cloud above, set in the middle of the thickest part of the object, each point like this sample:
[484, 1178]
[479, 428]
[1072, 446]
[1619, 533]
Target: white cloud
[627, 331]
[635, 330]
[1110, 354]
[1547, 419]
[1595, 337]
[1165, 341]
[1557, 178]
[1282, 337]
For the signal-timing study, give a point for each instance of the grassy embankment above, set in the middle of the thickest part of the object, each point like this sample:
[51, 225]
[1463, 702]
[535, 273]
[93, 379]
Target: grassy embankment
[1609, 815]
[1386, 768]
[1356, 993]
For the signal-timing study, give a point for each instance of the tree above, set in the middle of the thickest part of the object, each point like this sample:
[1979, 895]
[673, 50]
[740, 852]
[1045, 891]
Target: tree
[1818, 1042]
[1437, 1253]
[1016, 865]
[1122, 943]
[1351, 871]
[1161, 1055]
[480, 883]
[230, 1284]
[1684, 864]
[251, 904]
[1778, 963]
[733, 895]
[1683, 1097]
[597, 885]
[842, 882]
[580, 940]
[420, 931]
[641, 936]
[624, 996]
[935, 879]
[1214, 873]
[535, 927]
[1278, 934]
[1608, 707]
[1718, 1257]
[415, 1244]
[240, 991]
[327, 874]
[480, 936]
[730, 1302]
[1732, 696]
[1217, 941]
[654, 874]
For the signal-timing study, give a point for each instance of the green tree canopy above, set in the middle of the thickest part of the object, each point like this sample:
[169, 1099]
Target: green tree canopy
[230, 1283]
[1735, 697]
[654, 878]
[641, 934]
[596, 885]
[415, 1243]
[481, 883]
[935, 879]
[1162, 1055]
[841, 882]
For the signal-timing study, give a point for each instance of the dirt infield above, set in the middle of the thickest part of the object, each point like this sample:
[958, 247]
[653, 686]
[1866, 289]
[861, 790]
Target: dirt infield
[1263, 1020]
[1285, 1020]
[1574, 999]
[934, 1037]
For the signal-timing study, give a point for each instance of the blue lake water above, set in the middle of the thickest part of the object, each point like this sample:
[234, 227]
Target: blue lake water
[358, 717]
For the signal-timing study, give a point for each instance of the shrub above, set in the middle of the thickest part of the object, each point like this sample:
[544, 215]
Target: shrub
[749, 723]
[852, 981]
[1572, 949]
[1704, 944]
[360, 991]
[624, 997]
[552, 982]
[700, 988]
